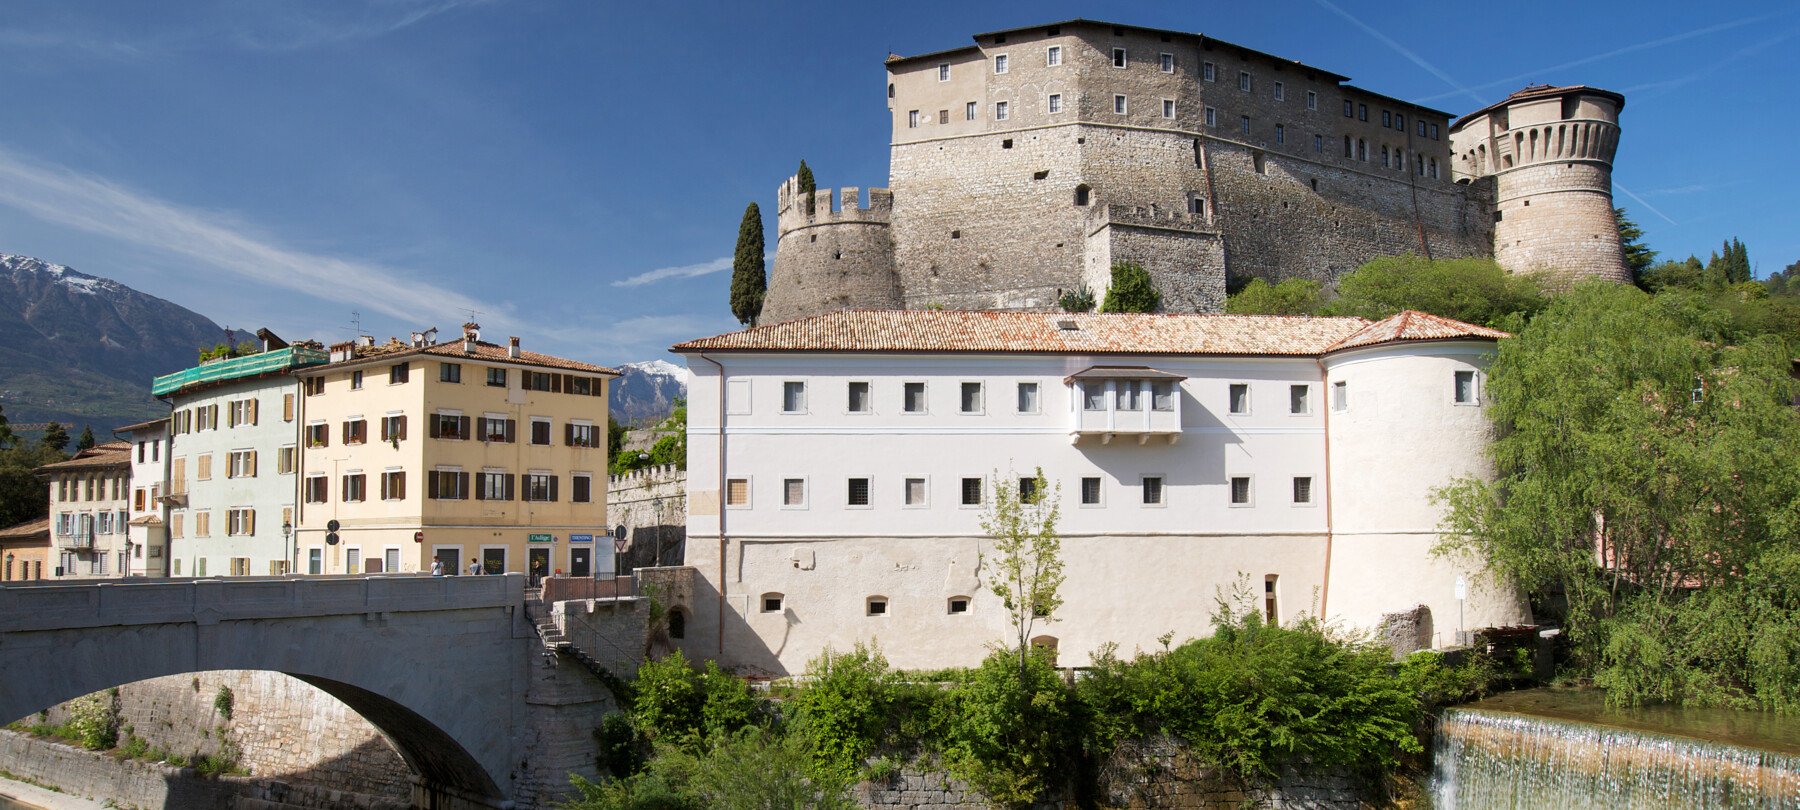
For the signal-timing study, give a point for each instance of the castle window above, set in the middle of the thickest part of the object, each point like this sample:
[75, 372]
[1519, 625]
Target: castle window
[1257, 159]
[944, 71]
[1362, 150]
[1434, 132]
[1118, 57]
[1196, 204]
[1207, 73]
[1348, 147]
[912, 119]
[1384, 156]
[1240, 490]
[1318, 143]
[1312, 100]
[969, 111]
[1000, 111]
[956, 234]
[1315, 184]
[877, 606]
[959, 604]
[890, 89]
[1244, 124]
[1349, 109]
[1244, 81]
[1000, 63]
[1168, 108]
[1055, 102]
[1362, 112]
[1399, 158]
[1280, 92]
[1212, 117]
[1053, 55]
[1465, 387]
[1280, 134]
[1118, 104]
[771, 603]
[1081, 195]
[1387, 118]
[1040, 175]
[1168, 63]
[943, 116]
[1434, 171]
[1421, 129]
[1006, 144]
[1399, 122]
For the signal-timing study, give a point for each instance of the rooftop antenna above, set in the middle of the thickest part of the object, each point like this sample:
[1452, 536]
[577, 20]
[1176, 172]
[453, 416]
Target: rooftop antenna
[356, 323]
[472, 313]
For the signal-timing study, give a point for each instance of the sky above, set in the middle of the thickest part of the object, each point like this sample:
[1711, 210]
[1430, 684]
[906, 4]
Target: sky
[574, 171]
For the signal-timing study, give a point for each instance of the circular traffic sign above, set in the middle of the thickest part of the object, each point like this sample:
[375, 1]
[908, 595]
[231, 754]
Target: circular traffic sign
[331, 525]
[331, 538]
[419, 536]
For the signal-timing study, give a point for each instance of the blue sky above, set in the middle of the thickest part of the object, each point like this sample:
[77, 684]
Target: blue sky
[575, 171]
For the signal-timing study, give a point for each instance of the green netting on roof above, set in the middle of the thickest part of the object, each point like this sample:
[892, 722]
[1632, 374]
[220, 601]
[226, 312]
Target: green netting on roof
[237, 367]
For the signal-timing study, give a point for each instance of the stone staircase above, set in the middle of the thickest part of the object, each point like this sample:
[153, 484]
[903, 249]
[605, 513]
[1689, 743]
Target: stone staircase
[556, 643]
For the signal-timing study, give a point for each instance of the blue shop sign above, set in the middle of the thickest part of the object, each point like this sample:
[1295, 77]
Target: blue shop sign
[581, 538]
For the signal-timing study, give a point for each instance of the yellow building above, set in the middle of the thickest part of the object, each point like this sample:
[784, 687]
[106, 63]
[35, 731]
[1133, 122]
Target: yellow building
[461, 451]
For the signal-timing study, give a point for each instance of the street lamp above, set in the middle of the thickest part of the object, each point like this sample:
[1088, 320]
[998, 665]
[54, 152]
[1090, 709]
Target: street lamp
[287, 530]
[658, 506]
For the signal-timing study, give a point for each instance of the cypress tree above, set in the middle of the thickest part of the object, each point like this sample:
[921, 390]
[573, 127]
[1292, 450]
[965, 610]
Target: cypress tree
[1638, 256]
[86, 442]
[1740, 262]
[1131, 290]
[55, 437]
[748, 281]
[806, 187]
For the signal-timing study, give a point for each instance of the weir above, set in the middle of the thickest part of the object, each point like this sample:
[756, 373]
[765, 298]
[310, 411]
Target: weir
[1562, 750]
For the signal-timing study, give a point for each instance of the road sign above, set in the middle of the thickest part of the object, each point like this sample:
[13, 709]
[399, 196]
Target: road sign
[619, 544]
[1462, 587]
[581, 538]
[540, 538]
[331, 538]
[619, 532]
[419, 536]
[331, 525]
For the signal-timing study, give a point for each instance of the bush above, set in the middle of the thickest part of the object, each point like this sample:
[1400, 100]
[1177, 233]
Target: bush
[1295, 296]
[222, 701]
[94, 721]
[679, 705]
[1474, 291]
[844, 711]
[1131, 290]
[1009, 728]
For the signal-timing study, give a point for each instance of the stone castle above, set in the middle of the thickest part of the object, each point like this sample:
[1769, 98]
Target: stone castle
[1026, 164]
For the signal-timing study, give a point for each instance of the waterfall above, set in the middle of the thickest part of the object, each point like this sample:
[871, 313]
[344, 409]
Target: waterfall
[1487, 760]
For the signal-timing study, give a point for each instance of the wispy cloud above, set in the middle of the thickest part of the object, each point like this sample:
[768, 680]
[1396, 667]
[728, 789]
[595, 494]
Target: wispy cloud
[1546, 73]
[273, 25]
[1401, 49]
[1645, 91]
[304, 25]
[718, 265]
[1640, 201]
[646, 335]
[100, 207]
[1677, 190]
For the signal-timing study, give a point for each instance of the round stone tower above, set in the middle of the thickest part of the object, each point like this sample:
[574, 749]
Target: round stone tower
[1549, 150]
[829, 259]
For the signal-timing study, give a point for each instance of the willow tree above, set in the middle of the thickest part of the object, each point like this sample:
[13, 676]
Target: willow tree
[1027, 570]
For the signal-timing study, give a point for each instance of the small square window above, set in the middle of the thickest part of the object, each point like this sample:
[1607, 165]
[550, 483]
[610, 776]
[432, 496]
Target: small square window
[1240, 399]
[877, 606]
[944, 72]
[1028, 490]
[1207, 73]
[1118, 57]
[1280, 92]
[959, 604]
[1090, 491]
[971, 492]
[1168, 108]
[971, 397]
[1298, 401]
[1000, 63]
[1153, 490]
[737, 492]
[397, 374]
[496, 377]
[1303, 489]
[1053, 55]
[1119, 104]
[1001, 111]
[1028, 397]
[1240, 490]
[1340, 396]
[858, 494]
[450, 372]
[915, 492]
[1465, 387]
[1167, 63]
[793, 492]
[914, 393]
[793, 397]
[859, 398]
[771, 603]
[1055, 102]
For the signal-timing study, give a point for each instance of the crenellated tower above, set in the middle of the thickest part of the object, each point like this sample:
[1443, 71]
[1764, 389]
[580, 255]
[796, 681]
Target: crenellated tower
[831, 255]
[1550, 151]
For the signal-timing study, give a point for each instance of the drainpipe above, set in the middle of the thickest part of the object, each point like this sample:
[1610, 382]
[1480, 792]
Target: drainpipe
[722, 540]
[1325, 401]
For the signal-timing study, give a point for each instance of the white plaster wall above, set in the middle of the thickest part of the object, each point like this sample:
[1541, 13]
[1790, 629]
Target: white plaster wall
[151, 476]
[1402, 436]
[268, 492]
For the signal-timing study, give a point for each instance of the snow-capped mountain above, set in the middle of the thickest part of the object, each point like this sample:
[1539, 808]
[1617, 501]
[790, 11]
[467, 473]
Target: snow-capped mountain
[80, 348]
[645, 392]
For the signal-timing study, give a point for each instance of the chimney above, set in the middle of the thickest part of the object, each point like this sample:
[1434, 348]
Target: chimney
[471, 333]
[512, 350]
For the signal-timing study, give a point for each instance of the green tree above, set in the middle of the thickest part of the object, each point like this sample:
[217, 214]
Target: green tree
[844, 709]
[1294, 296]
[1027, 570]
[1131, 290]
[615, 439]
[86, 442]
[6, 434]
[1638, 256]
[55, 437]
[806, 187]
[1641, 459]
[1474, 291]
[748, 281]
[1010, 728]
[22, 496]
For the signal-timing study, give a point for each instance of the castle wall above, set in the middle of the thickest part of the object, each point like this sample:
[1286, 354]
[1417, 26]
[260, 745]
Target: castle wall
[839, 256]
[1558, 219]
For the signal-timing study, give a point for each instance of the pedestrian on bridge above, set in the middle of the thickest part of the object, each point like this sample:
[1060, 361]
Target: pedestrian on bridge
[474, 566]
[437, 567]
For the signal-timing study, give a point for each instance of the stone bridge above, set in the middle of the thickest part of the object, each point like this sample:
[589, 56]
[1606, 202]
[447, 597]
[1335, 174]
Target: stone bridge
[443, 666]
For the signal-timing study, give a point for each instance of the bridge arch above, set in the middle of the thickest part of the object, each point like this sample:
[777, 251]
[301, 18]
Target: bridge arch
[435, 664]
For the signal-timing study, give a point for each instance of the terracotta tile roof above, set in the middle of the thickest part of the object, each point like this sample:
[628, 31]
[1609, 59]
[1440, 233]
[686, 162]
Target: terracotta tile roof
[925, 330]
[110, 454]
[27, 530]
[394, 350]
[1415, 325]
[1022, 332]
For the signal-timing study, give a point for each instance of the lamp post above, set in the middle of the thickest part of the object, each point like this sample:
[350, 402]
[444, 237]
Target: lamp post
[657, 504]
[287, 530]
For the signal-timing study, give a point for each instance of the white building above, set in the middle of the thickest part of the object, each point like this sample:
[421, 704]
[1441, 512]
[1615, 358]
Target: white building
[1189, 450]
[147, 530]
[232, 467]
[88, 503]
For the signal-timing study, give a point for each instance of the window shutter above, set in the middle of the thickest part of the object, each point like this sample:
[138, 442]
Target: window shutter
[568, 434]
[231, 417]
[512, 426]
[400, 484]
[253, 410]
[556, 384]
[431, 485]
[287, 407]
[481, 428]
[344, 488]
[462, 426]
[252, 464]
[324, 436]
[599, 386]
[384, 486]
[402, 428]
[481, 491]
[553, 488]
[433, 425]
[346, 433]
[462, 486]
[512, 490]
[250, 521]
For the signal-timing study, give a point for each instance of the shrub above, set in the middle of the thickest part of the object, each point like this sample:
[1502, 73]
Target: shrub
[1080, 299]
[679, 705]
[94, 721]
[1295, 296]
[844, 711]
[1009, 728]
[1131, 290]
[222, 701]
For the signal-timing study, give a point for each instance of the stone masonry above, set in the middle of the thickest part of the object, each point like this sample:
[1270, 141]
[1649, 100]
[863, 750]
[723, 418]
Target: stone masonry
[651, 504]
[1026, 164]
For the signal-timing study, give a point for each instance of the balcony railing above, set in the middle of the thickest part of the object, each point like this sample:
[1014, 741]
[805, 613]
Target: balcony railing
[78, 539]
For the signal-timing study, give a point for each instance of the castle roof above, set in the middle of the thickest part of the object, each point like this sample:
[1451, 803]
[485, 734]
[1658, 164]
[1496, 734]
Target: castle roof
[1536, 91]
[1204, 39]
[925, 330]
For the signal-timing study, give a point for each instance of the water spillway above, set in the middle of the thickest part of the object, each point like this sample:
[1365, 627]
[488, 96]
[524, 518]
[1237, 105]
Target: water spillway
[1564, 750]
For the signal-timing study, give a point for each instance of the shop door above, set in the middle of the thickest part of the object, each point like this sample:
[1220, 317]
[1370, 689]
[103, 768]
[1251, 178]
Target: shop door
[580, 563]
[493, 561]
[450, 557]
[539, 565]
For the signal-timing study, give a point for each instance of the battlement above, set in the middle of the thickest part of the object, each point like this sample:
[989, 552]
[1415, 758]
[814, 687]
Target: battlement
[791, 213]
[1150, 216]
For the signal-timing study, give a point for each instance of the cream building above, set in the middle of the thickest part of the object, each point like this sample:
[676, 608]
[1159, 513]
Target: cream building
[459, 451]
[89, 504]
[839, 466]
[147, 530]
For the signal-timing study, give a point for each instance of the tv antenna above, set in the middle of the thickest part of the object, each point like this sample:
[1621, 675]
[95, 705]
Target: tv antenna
[356, 322]
[472, 313]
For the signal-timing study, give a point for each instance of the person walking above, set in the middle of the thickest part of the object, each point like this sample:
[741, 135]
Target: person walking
[437, 567]
[474, 566]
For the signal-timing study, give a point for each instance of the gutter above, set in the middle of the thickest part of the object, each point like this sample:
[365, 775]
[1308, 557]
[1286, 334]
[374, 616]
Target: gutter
[1325, 402]
[723, 541]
